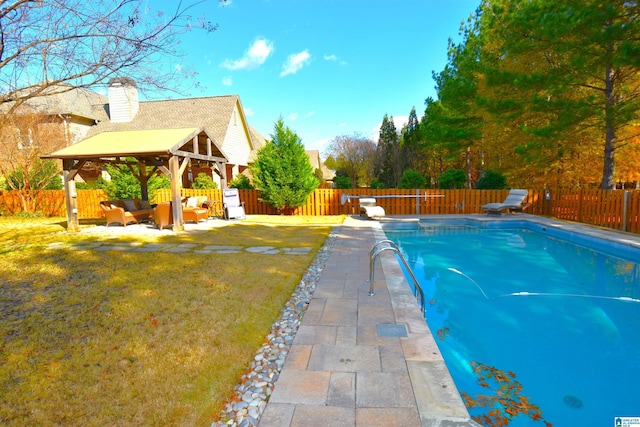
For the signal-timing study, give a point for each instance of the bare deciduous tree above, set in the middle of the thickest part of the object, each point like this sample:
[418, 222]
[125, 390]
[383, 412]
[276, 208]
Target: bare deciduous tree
[354, 155]
[23, 138]
[44, 43]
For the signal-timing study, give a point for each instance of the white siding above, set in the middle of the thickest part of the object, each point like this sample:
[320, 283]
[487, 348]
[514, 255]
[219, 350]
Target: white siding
[236, 142]
[123, 102]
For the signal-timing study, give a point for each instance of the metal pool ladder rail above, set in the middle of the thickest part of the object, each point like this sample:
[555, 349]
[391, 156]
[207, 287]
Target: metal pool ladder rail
[376, 250]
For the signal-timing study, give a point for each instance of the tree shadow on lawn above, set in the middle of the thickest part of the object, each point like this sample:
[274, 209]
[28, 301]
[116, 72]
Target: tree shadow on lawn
[121, 338]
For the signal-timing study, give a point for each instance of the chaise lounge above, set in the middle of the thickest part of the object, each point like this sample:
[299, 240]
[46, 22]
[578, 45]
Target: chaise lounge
[513, 202]
[370, 209]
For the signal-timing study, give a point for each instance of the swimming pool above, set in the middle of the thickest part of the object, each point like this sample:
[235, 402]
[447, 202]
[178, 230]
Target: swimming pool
[551, 317]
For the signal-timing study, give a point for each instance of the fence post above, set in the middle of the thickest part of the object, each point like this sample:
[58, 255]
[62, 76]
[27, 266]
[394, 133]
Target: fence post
[625, 211]
[417, 201]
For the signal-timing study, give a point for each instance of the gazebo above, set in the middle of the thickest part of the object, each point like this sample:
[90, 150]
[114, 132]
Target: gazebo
[167, 150]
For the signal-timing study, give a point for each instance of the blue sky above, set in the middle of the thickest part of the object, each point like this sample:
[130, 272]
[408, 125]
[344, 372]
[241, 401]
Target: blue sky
[328, 67]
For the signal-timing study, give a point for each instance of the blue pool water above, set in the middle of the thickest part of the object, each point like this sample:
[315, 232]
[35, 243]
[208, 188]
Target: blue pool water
[563, 318]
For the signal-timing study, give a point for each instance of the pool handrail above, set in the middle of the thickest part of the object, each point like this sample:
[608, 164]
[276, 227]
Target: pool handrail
[373, 254]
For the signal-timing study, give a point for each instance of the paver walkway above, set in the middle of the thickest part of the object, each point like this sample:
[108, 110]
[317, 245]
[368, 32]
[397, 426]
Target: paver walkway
[178, 247]
[360, 360]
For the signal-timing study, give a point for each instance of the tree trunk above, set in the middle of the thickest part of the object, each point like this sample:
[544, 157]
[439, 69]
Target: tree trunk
[468, 166]
[608, 171]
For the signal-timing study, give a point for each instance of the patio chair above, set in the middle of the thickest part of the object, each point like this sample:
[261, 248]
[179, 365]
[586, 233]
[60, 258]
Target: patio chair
[513, 202]
[233, 208]
[163, 215]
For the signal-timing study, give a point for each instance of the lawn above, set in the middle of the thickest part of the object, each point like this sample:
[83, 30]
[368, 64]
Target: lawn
[123, 338]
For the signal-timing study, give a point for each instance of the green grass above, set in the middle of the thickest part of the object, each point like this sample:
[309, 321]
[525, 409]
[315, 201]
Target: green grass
[123, 338]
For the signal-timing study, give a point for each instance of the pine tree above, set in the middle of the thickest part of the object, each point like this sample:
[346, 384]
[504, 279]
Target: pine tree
[282, 171]
[388, 167]
[568, 72]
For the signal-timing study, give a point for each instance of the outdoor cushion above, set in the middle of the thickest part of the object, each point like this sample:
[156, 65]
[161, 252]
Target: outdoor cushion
[144, 204]
[129, 205]
[192, 202]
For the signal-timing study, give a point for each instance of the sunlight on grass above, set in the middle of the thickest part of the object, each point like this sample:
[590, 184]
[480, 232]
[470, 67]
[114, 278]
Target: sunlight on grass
[124, 338]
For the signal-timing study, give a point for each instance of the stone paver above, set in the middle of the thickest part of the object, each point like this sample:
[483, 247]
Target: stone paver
[195, 248]
[360, 360]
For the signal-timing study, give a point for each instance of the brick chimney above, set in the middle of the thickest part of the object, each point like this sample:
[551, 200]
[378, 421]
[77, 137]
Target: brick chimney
[123, 99]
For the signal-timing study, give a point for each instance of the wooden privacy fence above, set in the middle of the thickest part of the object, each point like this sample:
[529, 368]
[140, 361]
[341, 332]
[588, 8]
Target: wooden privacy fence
[616, 209]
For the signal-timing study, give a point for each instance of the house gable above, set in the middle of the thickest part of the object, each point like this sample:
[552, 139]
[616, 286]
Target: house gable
[237, 142]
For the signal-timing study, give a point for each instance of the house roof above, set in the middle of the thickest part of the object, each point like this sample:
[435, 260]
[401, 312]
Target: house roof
[316, 163]
[67, 100]
[141, 143]
[213, 113]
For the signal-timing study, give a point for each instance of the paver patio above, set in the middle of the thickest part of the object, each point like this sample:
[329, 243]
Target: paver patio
[360, 360]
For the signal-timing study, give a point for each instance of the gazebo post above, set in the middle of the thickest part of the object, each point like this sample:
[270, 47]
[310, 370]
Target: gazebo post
[144, 181]
[71, 200]
[176, 197]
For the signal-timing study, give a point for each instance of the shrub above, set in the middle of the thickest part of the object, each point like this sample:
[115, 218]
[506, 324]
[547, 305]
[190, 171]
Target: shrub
[241, 182]
[376, 184]
[492, 181]
[411, 179]
[204, 182]
[452, 179]
[80, 185]
[342, 182]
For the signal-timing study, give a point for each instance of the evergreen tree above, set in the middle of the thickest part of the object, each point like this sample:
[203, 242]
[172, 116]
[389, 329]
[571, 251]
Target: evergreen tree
[282, 171]
[411, 141]
[568, 71]
[388, 167]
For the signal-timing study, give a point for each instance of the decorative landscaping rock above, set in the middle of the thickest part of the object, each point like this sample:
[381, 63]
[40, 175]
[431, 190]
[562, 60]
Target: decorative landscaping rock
[252, 392]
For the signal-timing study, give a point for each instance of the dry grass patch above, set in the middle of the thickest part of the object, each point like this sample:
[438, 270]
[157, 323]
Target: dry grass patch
[124, 338]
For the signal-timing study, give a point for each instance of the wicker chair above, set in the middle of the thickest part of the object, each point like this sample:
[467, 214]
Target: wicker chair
[163, 215]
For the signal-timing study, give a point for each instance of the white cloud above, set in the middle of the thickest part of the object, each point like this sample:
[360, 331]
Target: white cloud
[227, 81]
[248, 112]
[254, 57]
[295, 62]
[334, 58]
[320, 144]
[293, 117]
[309, 114]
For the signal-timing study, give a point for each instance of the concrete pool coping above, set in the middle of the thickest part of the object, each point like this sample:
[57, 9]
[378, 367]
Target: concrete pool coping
[372, 360]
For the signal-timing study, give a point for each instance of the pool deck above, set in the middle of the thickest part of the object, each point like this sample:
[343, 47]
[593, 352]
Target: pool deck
[360, 360]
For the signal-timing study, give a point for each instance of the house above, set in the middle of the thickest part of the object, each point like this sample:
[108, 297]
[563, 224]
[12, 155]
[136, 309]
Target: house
[176, 137]
[85, 114]
[317, 163]
[222, 116]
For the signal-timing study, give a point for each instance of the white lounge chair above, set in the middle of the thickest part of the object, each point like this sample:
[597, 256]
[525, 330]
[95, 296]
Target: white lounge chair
[233, 208]
[513, 201]
[369, 208]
